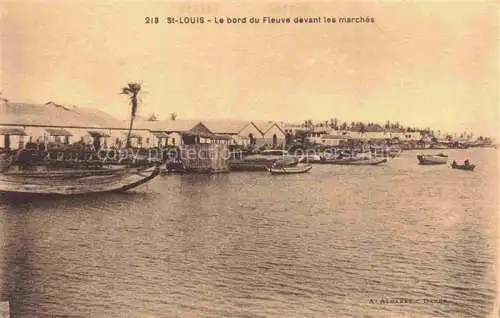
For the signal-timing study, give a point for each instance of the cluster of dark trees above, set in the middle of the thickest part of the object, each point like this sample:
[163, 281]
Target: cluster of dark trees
[334, 123]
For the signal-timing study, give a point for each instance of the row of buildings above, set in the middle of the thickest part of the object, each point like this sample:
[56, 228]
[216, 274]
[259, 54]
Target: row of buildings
[336, 137]
[21, 123]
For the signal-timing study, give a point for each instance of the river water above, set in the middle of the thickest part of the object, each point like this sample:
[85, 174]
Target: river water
[340, 241]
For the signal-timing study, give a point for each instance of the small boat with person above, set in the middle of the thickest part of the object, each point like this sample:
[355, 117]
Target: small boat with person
[467, 166]
[437, 159]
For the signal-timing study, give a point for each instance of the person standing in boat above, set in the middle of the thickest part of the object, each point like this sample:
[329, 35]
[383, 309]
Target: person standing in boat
[466, 162]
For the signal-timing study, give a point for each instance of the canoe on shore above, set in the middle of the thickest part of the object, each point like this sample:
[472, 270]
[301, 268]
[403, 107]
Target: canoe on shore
[76, 183]
[290, 170]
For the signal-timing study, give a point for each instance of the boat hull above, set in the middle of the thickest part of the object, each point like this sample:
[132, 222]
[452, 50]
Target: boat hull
[119, 181]
[356, 162]
[464, 167]
[260, 164]
[290, 170]
[172, 167]
[248, 166]
[431, 160]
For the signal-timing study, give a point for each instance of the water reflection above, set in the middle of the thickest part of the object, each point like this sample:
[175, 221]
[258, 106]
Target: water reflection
[20, 272]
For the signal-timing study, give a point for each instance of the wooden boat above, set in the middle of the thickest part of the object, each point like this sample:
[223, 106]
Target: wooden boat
[317, 156]
[465, 166]
[393, 153]
[290, 170]
[30, 172]
[358, 162]
[269, 156]
[438, 159]
[172, 167]
[263, 161]
[67, 182]
[439, 146]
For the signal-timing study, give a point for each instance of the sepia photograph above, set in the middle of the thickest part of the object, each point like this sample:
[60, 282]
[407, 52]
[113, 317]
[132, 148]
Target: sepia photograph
[209, 158]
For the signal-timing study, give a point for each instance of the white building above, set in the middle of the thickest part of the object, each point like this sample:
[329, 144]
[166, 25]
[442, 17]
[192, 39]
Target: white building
[290, 128]
[239, 132]
[53, 123]
[12, 137]
[272, 134]
[333, 140]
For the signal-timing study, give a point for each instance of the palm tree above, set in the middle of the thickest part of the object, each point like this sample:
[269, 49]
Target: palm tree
[308, 124]
[334, 123]
[132, 91]
[153, 117]
[362, 128]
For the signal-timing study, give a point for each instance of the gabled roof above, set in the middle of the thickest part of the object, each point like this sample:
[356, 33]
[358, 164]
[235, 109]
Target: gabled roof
[226, 126]
[12, 131]
[201, 130]
[273, 125]
[178, 125]
[99, 133]
[52, 114]
[263, 125]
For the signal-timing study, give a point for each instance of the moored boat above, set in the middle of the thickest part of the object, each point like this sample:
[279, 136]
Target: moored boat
[290, 170]
[437, 159]
[29, 172]
[394, 152]
[359, 162]
[262, 161]
[173, 166]
[439, 146]
[76, 182]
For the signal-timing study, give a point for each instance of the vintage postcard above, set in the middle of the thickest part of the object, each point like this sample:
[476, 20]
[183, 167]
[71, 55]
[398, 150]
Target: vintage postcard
[249, 158]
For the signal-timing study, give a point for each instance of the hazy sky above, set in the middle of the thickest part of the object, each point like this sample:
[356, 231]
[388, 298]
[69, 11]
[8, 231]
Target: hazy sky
[425, 64]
